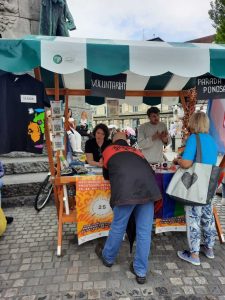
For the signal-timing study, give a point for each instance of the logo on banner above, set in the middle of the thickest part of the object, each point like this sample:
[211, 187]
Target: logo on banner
[109, 86]
[210, 87]
[57, 59]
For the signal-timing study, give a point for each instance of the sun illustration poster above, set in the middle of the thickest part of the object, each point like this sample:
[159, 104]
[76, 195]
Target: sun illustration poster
[94, 214]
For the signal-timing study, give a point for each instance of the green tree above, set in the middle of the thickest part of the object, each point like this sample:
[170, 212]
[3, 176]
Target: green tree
[217, 15]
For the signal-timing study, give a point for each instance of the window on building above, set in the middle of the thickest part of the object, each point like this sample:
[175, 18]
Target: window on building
[135, 108]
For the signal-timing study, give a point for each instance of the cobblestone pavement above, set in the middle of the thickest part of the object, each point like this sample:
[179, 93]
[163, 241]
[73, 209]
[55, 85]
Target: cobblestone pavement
[30, 269]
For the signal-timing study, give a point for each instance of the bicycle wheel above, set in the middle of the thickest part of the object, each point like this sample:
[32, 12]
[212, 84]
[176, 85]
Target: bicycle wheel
[43, 194]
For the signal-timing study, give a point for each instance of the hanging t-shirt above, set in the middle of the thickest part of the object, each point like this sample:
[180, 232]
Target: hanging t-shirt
[22, 101]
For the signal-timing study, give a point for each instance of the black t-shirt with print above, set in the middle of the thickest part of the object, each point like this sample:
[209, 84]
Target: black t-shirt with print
[92, 147]
[22, 101]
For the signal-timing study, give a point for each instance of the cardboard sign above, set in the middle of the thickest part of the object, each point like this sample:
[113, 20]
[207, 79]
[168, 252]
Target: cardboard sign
[210, 87]
[109, 86]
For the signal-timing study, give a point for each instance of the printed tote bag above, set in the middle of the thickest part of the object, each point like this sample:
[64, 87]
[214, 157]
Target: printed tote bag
[196, 185]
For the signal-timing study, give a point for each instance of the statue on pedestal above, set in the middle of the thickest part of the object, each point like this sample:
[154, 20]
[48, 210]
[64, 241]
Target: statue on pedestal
[55, 18]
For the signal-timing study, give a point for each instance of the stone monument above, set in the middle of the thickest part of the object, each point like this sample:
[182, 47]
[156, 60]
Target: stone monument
[19, 18]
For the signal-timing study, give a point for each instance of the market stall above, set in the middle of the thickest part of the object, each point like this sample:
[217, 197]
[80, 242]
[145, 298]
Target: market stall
[155, 72]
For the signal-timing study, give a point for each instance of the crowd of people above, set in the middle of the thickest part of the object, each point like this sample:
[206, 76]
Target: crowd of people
[133, 186]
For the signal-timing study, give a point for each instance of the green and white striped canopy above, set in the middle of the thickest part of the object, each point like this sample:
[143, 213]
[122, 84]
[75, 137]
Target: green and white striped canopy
[149, 65]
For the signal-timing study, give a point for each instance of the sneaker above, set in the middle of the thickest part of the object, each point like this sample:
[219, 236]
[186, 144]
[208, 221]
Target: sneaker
[98, 250]
[208, 252]
[139, 279]
[186, 255]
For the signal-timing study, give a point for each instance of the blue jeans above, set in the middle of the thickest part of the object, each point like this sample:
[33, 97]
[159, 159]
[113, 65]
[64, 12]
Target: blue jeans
[197, 218]
[144, 219]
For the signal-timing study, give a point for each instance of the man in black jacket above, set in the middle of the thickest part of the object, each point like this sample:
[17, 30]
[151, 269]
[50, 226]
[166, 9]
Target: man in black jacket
[133, 189]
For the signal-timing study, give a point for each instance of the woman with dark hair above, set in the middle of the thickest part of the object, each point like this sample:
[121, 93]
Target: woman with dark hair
[95, 146]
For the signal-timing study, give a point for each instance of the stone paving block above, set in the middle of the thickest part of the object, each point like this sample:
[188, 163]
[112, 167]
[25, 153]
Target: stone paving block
[45, 259]
[71, 278]
[188, 290]
[176, 281]
[50, 272]
[171, 266]
[88, 285]
[100, 284]
[19, 282]
[201, 290]
[10, 293]
[201, 280]
[52, 288]
[77, 286]
[26, 291]
[215, 272]
[214, 289]
[32, 281]
[65, 286]
[113, 284]
[83, 277]
[61, 271]
[205, 265]
[93, 269]
[24, 267]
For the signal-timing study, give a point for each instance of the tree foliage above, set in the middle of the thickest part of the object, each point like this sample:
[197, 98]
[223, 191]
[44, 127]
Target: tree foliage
[217, 15]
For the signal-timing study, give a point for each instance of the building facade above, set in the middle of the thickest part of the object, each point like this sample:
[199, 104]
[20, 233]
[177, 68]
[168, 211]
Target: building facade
[127, 115]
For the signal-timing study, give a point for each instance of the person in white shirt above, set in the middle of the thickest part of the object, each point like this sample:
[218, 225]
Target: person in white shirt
[152, 136]
[74, 137]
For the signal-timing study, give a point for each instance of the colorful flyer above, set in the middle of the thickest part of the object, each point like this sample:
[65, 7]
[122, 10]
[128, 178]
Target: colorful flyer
[94, 214]
[170, 224]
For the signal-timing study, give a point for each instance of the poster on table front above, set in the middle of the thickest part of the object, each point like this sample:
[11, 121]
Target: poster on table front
[216, 113]
[170, 224]
[94, 214]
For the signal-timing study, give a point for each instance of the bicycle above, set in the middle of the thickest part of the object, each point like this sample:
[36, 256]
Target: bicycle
[44, 193]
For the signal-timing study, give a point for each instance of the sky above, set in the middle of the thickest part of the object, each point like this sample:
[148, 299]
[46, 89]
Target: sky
[172, 20]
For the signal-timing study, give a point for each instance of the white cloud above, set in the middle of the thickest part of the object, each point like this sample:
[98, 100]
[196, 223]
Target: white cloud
[172, 20]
